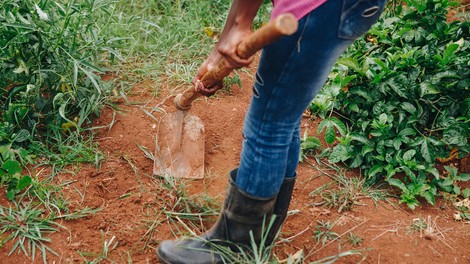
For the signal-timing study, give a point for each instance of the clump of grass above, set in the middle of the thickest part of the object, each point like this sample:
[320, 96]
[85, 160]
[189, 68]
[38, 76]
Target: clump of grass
[427, 228]
[103, 255]
[194, 210]
[27, 228]
[345, 192]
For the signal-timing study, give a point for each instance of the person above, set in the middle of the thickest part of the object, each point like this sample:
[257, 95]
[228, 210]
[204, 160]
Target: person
[290, 73]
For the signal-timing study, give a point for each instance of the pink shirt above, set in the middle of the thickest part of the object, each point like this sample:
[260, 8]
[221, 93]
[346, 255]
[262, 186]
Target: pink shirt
[299, 8]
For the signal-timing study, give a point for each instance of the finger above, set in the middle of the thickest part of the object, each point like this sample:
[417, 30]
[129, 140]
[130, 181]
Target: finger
[237, 62]
[207, 91]
[234, 60]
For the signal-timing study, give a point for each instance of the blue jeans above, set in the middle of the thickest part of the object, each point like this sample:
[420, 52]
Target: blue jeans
[291, 72]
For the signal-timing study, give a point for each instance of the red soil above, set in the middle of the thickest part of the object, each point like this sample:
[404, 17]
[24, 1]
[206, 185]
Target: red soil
[132, 201]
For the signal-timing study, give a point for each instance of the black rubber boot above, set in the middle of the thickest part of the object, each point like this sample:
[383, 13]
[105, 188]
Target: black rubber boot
[281, 207]
[241, 214]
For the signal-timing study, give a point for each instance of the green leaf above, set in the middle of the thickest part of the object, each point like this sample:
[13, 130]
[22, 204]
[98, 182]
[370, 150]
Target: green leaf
[397, 183]
[419, 188]
[448, 54]
[427, 88]
[12, 167]
[353, 64]
[463, 177]
[397, 143]
[383, 118]
[452, 171]
[356, 162]
[366, 149]
[427, 153]
[21, 136]
[330, 135]
[409, 199]
[339, 125]
[11, 195]
[23, 182]
[408, 156]
[434, 172]
[378, 168]
[456, 135]
[408, 107]
[407, 132]
[359, 137]
[466, 193]
[324, 123]
[339, 153]
[429, 197]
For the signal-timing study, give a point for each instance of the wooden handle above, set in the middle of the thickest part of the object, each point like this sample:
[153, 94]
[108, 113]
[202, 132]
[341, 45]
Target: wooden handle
[283, 25]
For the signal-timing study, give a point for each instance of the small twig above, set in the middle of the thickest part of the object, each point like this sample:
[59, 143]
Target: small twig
[296, 235]
[387, 231]
[435, 251]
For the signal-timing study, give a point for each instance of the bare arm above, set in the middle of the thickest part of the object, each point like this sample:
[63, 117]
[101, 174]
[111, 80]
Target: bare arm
[237, 26]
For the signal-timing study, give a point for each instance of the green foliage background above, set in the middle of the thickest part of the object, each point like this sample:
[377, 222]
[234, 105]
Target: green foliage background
[49, 76]
[399, 99]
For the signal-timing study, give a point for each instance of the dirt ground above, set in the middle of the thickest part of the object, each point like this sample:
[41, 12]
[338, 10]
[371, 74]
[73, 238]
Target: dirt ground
[132, 200]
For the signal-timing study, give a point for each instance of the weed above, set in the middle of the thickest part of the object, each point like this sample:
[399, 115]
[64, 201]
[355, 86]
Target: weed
[323, 233]
[10, 173]
[27, 227]
[463, 210]
[428, 229]
[59, 152]
[103, 255]
[345, 192]
[308, 145]
[256, 252]
[194, 210]
[354, 239]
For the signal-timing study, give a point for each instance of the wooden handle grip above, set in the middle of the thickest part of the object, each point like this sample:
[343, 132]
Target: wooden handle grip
[283, 25]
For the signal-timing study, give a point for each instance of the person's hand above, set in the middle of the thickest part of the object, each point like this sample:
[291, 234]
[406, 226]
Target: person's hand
[228, 48]
[225, 50]
[210, 63]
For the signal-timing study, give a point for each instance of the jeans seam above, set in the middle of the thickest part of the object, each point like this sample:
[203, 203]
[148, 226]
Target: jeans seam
[295, 49]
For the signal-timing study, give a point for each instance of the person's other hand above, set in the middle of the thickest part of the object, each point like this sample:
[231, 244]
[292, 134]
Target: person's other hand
[228, 48]
[209, 64]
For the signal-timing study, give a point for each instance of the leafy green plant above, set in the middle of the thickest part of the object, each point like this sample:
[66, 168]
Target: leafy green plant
[10, 174]
[399, 99]
[50, 83]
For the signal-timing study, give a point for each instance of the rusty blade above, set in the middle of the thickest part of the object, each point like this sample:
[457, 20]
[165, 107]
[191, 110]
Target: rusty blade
[180, 146]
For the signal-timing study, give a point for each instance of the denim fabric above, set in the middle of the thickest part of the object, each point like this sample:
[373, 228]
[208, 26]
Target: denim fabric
[290, 74]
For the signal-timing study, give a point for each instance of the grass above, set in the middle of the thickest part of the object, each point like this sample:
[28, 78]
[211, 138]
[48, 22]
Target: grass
[194, 210]
[27, 228]
[323, 232]
[344, 192]
[353, 239]
[103, 254]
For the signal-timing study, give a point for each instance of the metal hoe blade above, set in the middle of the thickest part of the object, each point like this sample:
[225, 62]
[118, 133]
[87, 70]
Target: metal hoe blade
[180, 146]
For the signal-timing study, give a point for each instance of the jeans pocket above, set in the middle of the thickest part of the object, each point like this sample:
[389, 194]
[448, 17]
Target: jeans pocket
[358, 16]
